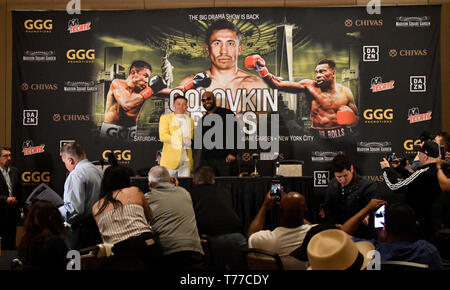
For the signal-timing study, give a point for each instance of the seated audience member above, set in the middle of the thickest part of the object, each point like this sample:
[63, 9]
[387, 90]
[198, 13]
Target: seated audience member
[212, 206]
[398, 240]
[421, 189]
[122, 215]
[334, 250]
[42, 247]
[292, 230]
[174, 221]
[301, 253]
[347, 193]
[217, 219]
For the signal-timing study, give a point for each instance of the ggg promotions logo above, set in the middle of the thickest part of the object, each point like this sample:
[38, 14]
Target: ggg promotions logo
[80, 55]
[377, 85]
[38, 26]
[29, 149]
[417, 84]
[371, 53]
[408, 145]
[30, 177]
[121, 155]
[378, 116]
[414, 116]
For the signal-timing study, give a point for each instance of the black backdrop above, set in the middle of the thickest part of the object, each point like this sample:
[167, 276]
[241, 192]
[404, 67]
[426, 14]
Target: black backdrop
[59, 96]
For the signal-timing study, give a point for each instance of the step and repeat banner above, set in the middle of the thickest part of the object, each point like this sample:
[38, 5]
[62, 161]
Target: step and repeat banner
[346, 81]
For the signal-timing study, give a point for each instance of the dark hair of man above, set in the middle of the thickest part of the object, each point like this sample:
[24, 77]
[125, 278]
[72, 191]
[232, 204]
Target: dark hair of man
[219, 25]
[328, 61]
[339, 163]
[44, 220]
[139, 64]
[400, 221]
[73, 149]
[114, 178]
[204, 175]
[4, 148]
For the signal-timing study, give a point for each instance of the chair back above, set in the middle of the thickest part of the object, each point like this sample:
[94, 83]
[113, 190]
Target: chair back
[258, 259]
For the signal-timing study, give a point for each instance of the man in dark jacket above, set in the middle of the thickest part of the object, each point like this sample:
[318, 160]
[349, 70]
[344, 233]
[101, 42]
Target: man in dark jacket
[347, 194]
[10, 199]
[212, 205]
[217, 128]
[217, 219]
[421, 189]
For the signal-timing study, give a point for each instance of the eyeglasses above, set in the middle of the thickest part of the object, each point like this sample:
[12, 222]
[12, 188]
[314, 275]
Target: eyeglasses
[207, 99]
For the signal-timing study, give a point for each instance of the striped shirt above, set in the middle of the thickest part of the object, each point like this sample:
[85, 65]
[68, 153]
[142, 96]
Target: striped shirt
[123, 223]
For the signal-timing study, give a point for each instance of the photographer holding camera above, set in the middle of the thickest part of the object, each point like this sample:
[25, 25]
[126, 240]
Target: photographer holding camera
[421, 188]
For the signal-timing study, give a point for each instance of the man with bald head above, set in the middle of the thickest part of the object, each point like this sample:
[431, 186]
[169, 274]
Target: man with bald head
[292, 230]
[216, 132]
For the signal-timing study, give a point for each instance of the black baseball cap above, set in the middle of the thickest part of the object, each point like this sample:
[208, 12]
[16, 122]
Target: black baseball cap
[429, 148]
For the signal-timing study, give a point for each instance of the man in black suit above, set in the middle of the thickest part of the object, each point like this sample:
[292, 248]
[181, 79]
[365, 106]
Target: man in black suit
[10, 199]
[215, 130]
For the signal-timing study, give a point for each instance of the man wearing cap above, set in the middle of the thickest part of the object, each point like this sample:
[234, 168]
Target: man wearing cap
[421, 189]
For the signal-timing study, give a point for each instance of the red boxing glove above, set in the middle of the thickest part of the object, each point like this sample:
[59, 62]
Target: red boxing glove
[155, 84]
[345, 116]
[201, 79]
[257, 63]
[147, 93]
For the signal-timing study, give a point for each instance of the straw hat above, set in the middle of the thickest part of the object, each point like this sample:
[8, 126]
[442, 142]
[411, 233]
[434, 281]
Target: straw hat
[335, 250]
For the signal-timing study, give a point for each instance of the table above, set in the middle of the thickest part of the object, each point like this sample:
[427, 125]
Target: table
[248, 193]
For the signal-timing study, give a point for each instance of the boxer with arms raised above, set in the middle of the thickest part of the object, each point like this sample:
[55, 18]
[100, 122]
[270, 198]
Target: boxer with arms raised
[222, 45]
[332, 105]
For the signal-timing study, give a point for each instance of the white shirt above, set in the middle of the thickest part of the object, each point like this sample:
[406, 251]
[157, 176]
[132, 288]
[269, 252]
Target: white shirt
[281, 240]
[183, 121]
[7, 179]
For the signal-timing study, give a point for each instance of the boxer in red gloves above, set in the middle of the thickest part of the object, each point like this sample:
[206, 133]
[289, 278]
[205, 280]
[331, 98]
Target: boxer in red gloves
[332, 106]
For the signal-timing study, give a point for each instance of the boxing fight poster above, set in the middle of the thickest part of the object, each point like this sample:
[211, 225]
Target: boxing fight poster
[305, 83]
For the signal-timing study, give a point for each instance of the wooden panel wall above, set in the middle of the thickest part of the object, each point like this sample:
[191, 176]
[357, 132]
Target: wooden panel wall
[6, 6]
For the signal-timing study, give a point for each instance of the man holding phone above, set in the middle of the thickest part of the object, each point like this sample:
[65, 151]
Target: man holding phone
[421, 188]
[293, 226]
[397, 241]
